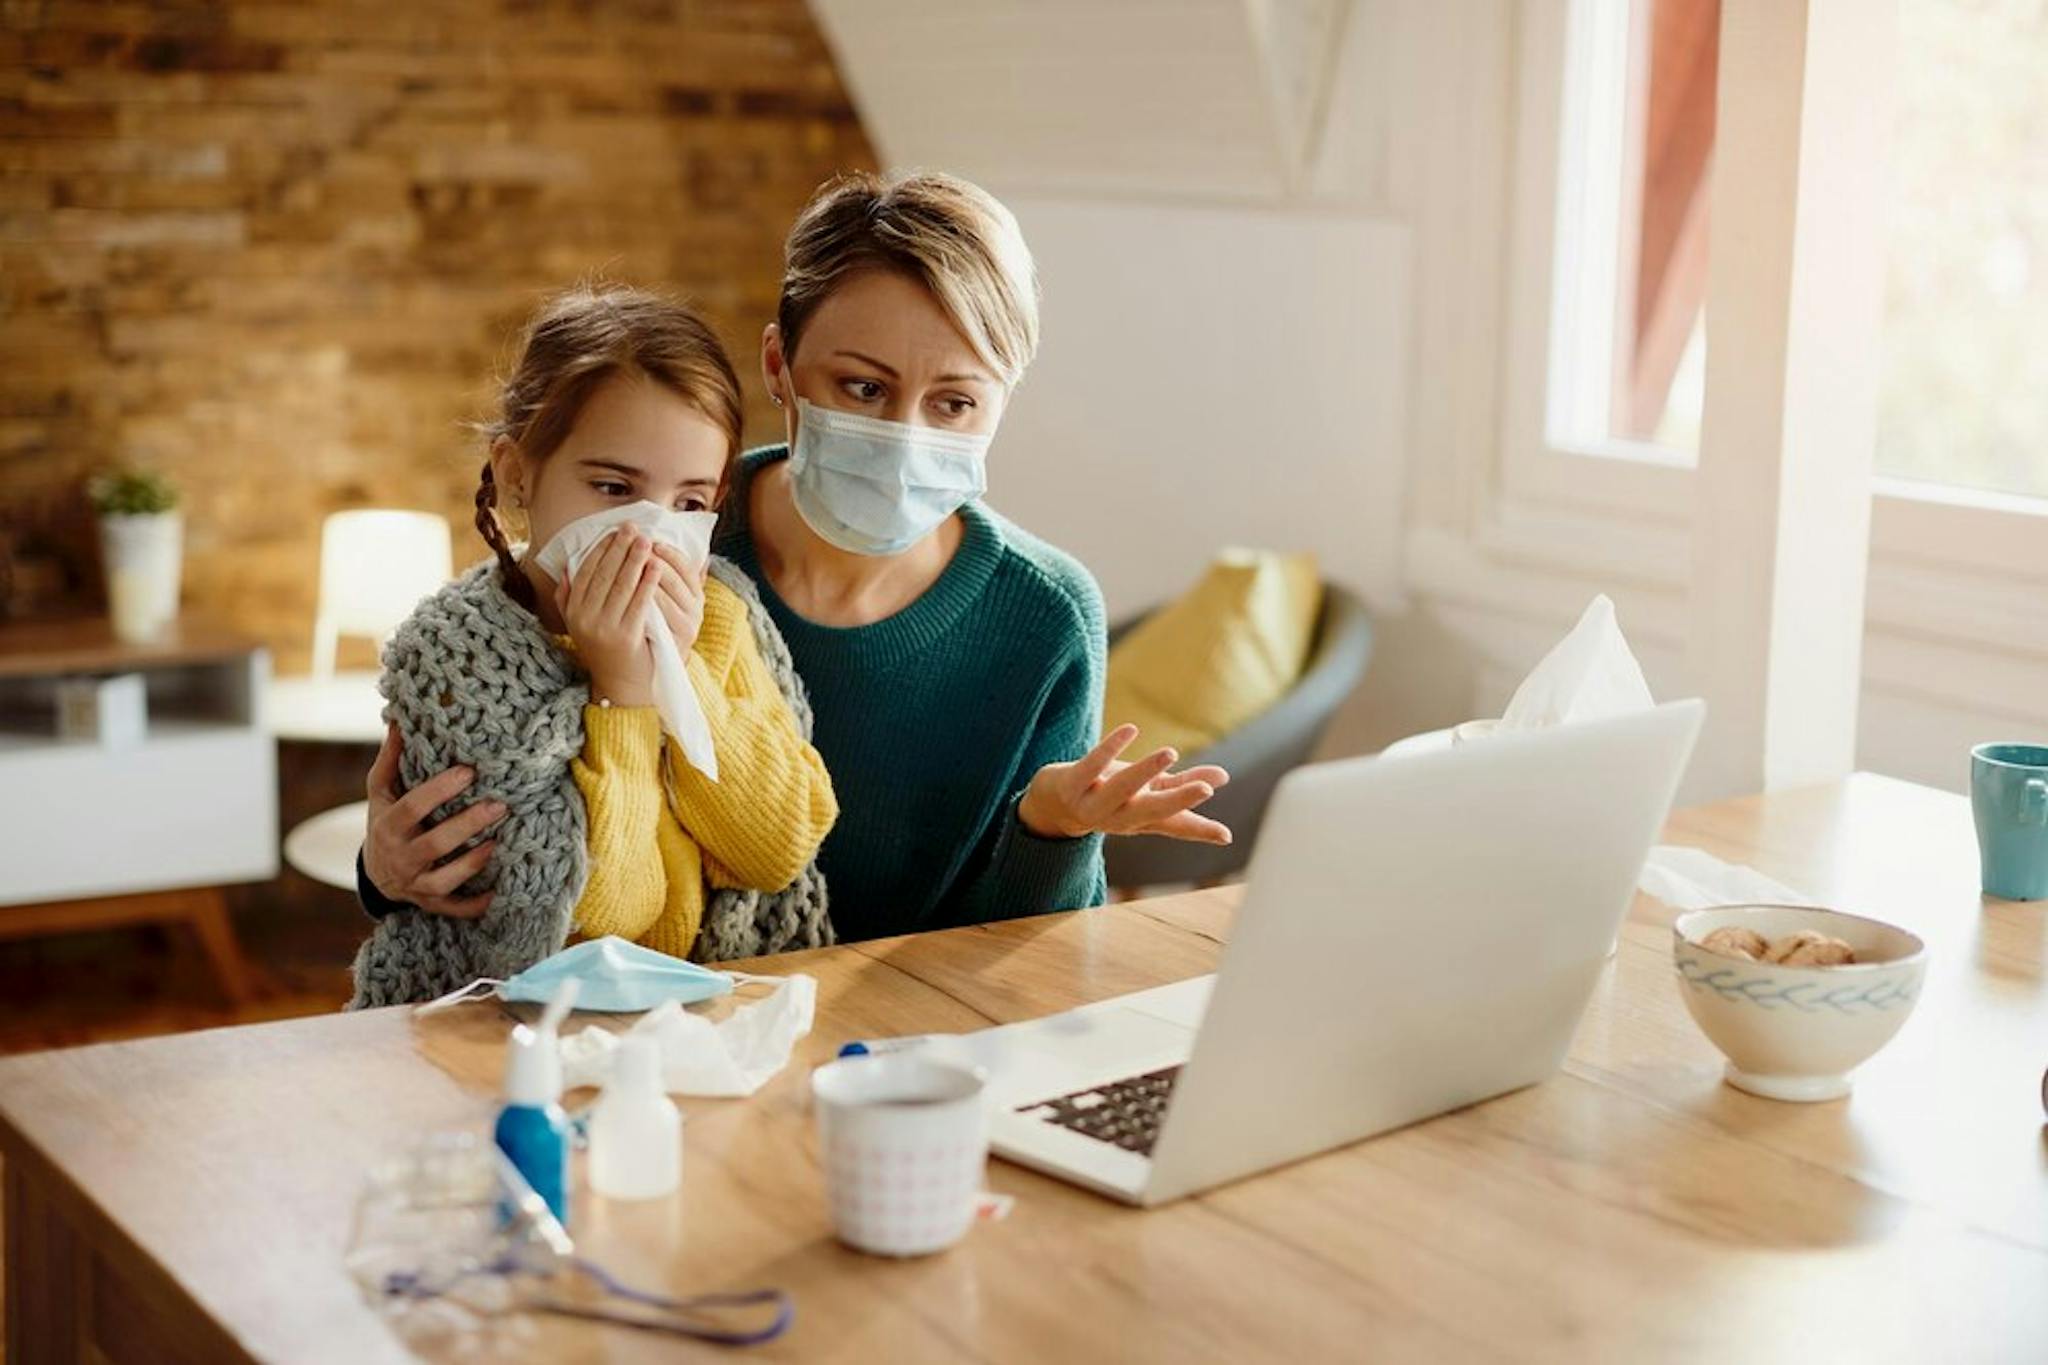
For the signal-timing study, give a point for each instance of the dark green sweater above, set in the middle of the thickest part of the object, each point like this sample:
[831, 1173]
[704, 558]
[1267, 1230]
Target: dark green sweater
[932, 722]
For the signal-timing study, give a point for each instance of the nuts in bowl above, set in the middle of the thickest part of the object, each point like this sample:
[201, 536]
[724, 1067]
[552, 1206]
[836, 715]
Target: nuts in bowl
[1795, 996]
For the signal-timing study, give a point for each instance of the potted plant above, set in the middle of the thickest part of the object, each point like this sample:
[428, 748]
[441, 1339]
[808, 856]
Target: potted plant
[142, 542]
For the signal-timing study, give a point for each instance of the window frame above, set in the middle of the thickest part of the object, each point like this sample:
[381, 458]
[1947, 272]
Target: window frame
[1546, 487]
[1538, 464]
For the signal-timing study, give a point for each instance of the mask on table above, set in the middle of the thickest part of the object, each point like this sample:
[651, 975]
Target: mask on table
[612, 975]
[682, 714]
[874, 487]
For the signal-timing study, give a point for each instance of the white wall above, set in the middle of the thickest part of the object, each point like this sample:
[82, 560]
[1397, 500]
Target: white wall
[1227, 307]
[1212, 376]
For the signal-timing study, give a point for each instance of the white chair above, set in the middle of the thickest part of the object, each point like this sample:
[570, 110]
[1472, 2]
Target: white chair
[375, 566]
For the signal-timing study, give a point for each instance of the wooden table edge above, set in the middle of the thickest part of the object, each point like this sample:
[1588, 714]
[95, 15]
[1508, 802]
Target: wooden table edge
[30, 1171]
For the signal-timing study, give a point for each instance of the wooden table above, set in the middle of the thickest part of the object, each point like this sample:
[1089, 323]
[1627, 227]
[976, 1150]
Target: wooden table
[188, 1198]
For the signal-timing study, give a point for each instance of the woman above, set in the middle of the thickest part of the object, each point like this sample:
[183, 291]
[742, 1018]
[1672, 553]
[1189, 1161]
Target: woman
[954, 661]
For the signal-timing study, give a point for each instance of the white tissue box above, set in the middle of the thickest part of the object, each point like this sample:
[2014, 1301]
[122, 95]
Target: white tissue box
[113, 712]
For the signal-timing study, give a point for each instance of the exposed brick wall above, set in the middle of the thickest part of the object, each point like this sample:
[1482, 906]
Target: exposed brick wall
[277, 250]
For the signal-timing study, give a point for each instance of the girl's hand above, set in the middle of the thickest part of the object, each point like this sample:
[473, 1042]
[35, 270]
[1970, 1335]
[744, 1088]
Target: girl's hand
[1102, 793]
[605, 605]
[680, 599]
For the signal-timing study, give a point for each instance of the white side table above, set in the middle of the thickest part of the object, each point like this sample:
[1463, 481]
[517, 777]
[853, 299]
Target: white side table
[324, 847]
[96, 835]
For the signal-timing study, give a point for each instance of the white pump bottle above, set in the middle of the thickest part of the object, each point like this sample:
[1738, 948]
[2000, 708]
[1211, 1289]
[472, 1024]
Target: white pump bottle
[636, 1132]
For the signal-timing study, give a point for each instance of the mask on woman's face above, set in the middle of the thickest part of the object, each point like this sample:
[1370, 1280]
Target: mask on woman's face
[874, 487]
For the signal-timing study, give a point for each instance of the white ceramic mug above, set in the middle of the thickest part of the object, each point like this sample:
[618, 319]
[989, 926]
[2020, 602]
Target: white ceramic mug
[903, 1140]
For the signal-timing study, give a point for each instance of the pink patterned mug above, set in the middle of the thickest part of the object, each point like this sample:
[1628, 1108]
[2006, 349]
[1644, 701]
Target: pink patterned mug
[903, 1140]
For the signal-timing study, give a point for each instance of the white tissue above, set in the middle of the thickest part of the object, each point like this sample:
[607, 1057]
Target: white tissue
[1693, 879]
[730, 1058]
[682, 714]
[1589, 674]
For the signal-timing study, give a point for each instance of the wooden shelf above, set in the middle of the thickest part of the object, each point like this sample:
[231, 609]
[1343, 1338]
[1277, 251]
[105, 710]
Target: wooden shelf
[89, 646]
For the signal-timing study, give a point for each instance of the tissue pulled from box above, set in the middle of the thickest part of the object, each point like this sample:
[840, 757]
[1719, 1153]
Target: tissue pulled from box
[1589, 674]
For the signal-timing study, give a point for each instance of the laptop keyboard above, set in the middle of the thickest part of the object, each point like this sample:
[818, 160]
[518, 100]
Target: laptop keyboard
[1124, 1113]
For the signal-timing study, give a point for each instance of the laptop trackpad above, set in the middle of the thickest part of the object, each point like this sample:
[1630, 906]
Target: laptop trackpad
[1107, 1041]
[1183, 1003]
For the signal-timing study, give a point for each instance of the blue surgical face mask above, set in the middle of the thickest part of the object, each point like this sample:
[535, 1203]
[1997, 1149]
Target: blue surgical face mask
[876, 488]
[612, 975]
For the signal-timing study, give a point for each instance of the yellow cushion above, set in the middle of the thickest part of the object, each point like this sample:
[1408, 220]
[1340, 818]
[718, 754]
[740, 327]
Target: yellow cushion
[1212, 659]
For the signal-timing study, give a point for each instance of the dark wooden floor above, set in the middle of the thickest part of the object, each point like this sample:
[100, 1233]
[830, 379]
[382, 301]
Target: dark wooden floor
[298, 936]
[86, 988]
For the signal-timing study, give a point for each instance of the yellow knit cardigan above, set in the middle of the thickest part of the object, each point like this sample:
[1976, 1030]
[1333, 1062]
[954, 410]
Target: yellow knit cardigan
[660, 831]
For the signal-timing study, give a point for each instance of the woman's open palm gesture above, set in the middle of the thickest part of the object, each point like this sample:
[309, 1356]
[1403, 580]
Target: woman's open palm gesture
[1101, 793]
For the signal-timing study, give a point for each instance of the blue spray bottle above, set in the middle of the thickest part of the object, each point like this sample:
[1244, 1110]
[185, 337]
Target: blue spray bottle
[532, 1130]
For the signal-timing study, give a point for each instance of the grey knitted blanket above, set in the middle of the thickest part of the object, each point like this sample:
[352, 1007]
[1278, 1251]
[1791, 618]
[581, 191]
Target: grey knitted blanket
[472, 677]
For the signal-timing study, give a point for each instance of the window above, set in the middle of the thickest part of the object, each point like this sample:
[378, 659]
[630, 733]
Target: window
[1603, 348]
[1965, 384]
[1628, 338]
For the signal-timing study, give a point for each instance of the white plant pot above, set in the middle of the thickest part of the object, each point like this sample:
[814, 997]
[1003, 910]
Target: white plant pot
[144, 557]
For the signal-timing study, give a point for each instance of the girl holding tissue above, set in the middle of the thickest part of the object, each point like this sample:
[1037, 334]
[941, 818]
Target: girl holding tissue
[634, 734]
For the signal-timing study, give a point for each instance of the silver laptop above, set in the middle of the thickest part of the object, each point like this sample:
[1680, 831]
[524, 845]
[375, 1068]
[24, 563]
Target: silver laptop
[1417, 934]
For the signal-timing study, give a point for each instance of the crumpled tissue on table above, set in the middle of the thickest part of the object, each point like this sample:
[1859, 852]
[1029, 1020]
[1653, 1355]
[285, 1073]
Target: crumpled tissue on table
[734, 1056]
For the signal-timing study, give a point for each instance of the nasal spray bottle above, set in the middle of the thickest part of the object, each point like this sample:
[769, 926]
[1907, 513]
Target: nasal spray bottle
[532, 1129]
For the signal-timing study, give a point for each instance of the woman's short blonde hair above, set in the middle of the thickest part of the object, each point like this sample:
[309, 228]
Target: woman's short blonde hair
[950, 235]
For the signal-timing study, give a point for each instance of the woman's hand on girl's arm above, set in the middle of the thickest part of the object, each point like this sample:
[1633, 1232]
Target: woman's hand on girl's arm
[1100, 793]
[399, 855]
[604, 604]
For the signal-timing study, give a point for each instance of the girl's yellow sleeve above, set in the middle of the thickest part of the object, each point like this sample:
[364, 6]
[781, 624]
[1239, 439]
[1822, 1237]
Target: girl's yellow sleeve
[772, 804]
[619, 774]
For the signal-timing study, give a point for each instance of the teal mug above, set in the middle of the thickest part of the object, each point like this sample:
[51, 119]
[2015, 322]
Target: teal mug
[2009, 792]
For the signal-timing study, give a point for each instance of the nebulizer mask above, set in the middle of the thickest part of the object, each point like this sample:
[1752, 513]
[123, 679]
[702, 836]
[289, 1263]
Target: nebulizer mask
[449, 1241]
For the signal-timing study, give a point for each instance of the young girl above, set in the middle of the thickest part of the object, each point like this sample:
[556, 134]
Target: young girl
[544, 689]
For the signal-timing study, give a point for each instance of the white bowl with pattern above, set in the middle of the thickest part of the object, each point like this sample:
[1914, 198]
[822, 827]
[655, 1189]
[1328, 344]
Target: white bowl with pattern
[1795, 1033]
